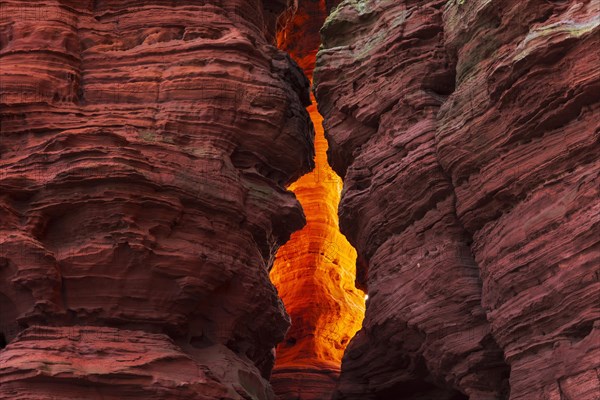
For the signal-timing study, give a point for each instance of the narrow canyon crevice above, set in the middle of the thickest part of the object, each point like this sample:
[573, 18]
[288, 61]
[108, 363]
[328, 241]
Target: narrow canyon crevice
[314, 272]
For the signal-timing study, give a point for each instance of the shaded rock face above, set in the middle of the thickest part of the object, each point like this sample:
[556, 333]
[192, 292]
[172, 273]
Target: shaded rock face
[467, 136]
[145, 150]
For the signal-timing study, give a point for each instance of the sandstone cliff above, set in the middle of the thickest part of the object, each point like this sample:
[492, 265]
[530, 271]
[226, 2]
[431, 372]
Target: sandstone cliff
[467, 136]
[144, 154]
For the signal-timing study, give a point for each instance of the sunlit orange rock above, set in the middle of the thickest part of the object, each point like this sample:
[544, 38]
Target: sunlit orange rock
[315, 271]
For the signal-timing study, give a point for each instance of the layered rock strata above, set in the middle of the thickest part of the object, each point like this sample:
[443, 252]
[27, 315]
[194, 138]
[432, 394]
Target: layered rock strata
[315, 271]
[144, 154]
[467, 136]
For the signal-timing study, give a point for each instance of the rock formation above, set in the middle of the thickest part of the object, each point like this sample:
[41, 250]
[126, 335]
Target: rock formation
[315, 271]
[146, 149]
[467, 136]
[144, 154]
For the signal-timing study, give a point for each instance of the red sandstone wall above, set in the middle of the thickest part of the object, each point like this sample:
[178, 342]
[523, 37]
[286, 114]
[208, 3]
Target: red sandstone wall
[467, 135]
[144, 154]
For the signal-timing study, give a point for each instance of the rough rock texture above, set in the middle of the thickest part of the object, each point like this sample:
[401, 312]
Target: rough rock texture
[467, 135]
[315, 271]
[520, 140]
[144, 153]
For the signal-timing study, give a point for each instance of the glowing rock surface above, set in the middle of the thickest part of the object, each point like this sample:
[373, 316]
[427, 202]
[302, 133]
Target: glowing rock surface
[315, 271]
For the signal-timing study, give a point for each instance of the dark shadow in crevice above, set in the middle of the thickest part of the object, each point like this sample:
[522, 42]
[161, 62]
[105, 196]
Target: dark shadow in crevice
[420, 390]
[9, 328]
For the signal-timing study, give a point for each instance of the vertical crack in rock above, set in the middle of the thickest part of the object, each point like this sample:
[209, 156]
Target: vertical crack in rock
[315, 271]
[144, 153]
[466, 136]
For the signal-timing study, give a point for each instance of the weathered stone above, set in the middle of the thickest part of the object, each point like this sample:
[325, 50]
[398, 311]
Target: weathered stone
[145, 150]
[466, 136]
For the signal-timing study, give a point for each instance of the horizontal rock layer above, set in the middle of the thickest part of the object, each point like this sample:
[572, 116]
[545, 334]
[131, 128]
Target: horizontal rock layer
[519, 139]
[87, 362]
[144, 154]
[466, 135]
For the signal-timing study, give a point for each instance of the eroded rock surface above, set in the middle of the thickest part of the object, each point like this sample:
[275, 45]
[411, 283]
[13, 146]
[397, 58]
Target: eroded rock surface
[519, 139]
[467, 135]
[145, 150]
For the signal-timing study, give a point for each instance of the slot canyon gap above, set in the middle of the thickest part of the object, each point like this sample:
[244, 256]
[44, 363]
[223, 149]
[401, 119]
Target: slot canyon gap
[315, 271]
